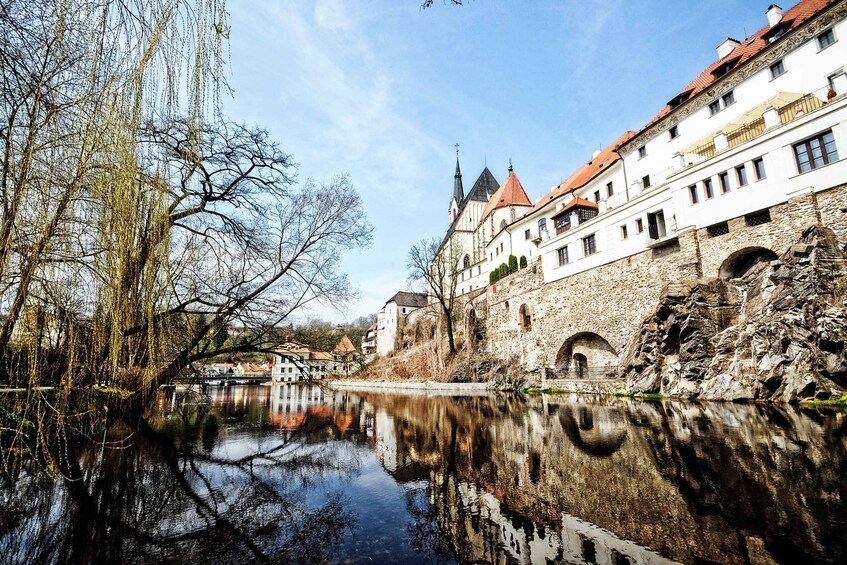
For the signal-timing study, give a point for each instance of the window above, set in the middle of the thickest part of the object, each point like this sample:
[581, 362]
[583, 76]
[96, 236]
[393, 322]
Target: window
[724, 178]
[715, 107]
[639, 225]
[718, 229]
[708, 188]
[777, 69]
[741, 175]
[728, 99]
[758, 218]
[642, 151]
[597, 196]
[525, 317]
[610, 190]
[759, 166]
[526, 234]
[624, 233]
[692, 193]
[645, 181]
[673, 132]
[826, 39]
[542, 225]
[589, 245]
[815, 152]
[466, 263]
[562, 253]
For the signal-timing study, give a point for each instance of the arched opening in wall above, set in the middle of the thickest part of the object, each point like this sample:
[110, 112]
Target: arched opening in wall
[586, 355]
[472, 330]
[598, 431]
[580, 365]
[466, 262]
[525, 318]
[502, 225]
[507, 307]
[746, 261]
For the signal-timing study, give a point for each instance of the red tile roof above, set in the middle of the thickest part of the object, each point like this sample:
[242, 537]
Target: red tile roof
[510, 193]
[791, 19]
[577, 201]
[585, 173]
[344, 346]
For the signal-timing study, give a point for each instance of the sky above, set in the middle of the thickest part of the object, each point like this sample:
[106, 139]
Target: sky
[382, 91]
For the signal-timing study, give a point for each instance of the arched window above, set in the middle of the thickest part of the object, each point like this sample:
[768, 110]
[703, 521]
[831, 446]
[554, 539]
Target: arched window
[502, 225]
[525, 318]
[466, 262]
[542, 225]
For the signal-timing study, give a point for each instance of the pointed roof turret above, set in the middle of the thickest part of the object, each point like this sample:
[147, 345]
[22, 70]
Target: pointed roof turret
[458, 190]
[511, 193]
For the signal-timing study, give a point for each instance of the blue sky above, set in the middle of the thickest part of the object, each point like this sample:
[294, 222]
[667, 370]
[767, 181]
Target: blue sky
[381, 91]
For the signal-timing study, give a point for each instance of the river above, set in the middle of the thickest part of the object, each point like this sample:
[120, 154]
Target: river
[305, 474]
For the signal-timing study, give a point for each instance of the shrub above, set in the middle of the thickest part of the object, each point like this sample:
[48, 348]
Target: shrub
[523, 262]
[513, 263]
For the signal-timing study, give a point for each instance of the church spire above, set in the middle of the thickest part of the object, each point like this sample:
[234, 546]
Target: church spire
[458, 190]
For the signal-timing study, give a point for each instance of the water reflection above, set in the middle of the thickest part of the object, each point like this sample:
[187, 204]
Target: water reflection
[291, 473]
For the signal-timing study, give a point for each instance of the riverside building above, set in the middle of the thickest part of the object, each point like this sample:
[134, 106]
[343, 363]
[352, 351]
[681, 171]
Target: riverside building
[728, 172]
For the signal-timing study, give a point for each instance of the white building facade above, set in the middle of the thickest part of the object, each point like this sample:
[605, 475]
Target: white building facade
[765, 122]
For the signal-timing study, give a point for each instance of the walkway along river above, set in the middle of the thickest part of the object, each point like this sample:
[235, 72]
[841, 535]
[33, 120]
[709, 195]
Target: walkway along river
[300, 473]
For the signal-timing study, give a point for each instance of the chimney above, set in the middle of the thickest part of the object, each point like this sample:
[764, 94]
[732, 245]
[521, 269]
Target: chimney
[595, 154]
[774, 15]
[727, 46]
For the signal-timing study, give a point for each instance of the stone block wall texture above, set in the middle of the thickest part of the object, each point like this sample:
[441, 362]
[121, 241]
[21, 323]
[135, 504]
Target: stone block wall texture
[613, 300]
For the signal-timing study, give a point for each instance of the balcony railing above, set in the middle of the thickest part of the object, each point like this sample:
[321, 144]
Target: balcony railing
[745, 133]
[787, 113]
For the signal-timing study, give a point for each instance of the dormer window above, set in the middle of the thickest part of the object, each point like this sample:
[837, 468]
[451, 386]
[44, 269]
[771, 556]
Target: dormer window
[679, 98]
[725, 67]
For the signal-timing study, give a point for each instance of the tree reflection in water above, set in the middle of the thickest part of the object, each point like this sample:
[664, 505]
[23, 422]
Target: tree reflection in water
[296, 474]
[174, 491]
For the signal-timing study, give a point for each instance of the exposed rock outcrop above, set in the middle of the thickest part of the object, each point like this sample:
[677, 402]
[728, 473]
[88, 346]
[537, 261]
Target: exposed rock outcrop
[777, 332]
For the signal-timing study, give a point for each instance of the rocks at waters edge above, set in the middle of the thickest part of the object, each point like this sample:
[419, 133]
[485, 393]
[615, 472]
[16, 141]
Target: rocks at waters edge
[776, 333]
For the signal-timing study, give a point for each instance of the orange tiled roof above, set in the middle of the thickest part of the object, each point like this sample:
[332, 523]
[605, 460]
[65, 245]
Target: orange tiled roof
[791, 19]
[510, 193]
[320, 356]
[577, 201]
[585, 173]
[292, 347]
[344, 346]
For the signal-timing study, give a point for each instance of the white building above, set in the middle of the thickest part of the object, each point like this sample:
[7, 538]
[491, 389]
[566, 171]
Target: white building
[391, 317]
[295, 361]
[766, 121]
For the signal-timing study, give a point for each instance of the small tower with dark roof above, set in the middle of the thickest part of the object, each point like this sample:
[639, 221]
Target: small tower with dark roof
[458, 191]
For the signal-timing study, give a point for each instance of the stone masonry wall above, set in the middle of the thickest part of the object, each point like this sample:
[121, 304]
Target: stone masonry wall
[613, 300]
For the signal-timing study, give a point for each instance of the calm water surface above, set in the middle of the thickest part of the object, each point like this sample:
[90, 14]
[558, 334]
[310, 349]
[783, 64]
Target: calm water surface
[305, 475]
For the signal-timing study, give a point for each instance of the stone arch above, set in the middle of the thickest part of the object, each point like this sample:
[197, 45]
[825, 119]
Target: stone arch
[597, 431]
[586, 354]
[525, 317]
[744, 261]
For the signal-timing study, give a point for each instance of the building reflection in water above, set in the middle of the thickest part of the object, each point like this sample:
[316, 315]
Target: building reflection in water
[484, 479]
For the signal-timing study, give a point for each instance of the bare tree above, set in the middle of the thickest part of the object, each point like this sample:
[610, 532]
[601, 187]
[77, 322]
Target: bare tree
[437, 266]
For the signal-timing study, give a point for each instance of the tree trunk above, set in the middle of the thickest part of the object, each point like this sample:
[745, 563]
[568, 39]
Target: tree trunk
[450, 339]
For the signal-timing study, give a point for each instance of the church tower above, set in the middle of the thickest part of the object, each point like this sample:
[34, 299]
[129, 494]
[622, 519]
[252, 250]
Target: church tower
[458, 190]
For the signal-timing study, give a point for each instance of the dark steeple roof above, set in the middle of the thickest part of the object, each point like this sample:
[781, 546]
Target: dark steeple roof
[458, 190]
[484, 187]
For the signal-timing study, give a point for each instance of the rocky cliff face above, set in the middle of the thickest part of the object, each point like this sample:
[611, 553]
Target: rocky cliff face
[775, 332]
